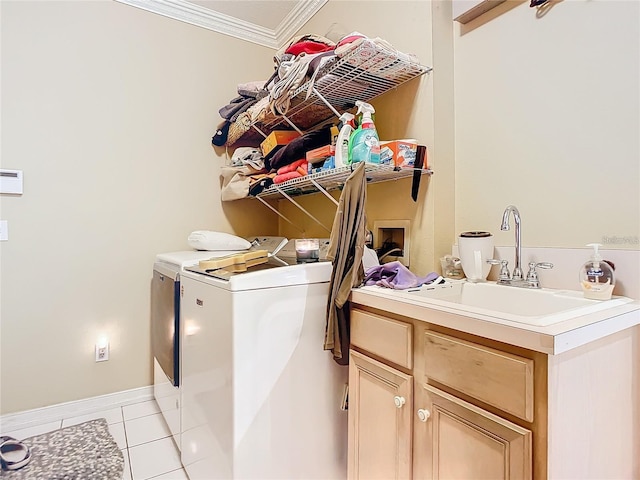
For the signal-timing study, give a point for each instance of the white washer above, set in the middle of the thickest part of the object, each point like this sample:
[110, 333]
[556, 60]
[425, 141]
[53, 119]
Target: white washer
[165, 322]
[261, 398]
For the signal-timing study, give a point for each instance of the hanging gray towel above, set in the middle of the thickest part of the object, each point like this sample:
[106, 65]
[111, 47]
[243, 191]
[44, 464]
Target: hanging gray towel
[346, 248]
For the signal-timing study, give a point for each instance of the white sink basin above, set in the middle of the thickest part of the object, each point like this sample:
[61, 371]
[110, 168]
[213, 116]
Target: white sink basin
[539, 307]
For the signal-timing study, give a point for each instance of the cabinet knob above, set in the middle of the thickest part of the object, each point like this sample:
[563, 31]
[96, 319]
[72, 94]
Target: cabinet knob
[399, 401]
[423, 414]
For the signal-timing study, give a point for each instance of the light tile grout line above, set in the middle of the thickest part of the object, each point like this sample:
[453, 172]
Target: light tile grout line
[126, 440]
[161, 474]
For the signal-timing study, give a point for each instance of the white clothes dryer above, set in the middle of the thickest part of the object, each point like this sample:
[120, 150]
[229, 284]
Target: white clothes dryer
[261, 398]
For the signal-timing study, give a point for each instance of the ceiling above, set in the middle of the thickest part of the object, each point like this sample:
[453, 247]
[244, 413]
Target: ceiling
[265, 22]
[267, 14]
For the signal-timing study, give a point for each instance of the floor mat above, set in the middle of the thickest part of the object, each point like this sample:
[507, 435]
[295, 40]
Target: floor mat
[80, 452]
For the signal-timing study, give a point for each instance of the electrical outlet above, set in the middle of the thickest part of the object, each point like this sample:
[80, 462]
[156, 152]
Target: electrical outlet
[102, 352]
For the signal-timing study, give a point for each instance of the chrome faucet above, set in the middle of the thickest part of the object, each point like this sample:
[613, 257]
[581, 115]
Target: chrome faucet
[517, 270]
[516, 279]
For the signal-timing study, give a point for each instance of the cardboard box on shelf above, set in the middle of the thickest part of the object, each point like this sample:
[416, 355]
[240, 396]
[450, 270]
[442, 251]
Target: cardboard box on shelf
[400, 153]
[276, 140]
[320, 154]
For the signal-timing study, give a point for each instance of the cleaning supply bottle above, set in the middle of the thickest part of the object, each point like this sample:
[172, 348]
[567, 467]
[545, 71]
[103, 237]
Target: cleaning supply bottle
[342, 145]
[364, 144]
[596, 276]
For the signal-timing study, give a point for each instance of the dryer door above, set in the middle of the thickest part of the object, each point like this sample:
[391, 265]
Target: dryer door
[164, 324]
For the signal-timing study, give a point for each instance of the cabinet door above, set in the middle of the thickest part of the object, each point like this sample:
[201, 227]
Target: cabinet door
[380, 404]
[457, 440]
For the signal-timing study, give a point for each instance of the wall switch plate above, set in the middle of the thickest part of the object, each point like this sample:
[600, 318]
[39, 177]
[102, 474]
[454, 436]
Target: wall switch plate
[4, 230]
[102, 353]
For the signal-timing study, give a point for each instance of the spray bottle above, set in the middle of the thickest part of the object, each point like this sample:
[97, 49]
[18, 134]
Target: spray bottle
[342, 145]
[364, 145]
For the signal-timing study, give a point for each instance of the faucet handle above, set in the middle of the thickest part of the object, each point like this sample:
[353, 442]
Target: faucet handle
[532, 275]
[504, 270]
[545, 265]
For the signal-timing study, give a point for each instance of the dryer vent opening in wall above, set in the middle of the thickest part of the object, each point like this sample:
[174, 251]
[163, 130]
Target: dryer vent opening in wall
[391, 240]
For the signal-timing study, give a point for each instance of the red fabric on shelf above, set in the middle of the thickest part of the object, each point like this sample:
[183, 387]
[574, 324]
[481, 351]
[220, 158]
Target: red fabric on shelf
[308, 46]
[292, 167]
[283, 177]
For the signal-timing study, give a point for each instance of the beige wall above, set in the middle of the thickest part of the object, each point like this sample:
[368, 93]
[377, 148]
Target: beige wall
[547, 118]
[109, 111]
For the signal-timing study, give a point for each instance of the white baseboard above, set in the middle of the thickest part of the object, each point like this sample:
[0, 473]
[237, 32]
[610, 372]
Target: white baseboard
[52, 413]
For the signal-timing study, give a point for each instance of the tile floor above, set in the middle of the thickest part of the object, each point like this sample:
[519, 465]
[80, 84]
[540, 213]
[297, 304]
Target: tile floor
[141, 433]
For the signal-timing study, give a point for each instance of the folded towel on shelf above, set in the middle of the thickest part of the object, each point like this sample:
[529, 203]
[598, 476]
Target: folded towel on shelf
[286, 176]
[292, 167]
[395, 275]
[295, 170]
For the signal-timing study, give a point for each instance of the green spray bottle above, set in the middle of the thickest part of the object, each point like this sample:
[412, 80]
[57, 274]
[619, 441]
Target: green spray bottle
[364, 144]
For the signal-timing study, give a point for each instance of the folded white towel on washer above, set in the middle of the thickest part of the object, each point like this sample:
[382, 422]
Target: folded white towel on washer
[207, 240]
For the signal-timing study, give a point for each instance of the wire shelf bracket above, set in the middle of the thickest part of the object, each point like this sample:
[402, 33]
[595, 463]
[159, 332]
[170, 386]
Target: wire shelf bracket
[274, 210]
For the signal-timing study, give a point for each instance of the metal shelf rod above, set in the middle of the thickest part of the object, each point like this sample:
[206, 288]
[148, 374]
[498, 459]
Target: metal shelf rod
[321, 189]
[284, 194]
[292, 124]
[264, 202]
[258, 130]
[326, 102]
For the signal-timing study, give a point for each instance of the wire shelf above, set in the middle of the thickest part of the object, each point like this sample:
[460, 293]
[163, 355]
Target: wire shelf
[334, 179]
[366, 72]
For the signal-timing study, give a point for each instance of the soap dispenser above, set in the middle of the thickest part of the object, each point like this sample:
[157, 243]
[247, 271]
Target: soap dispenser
[596, 276]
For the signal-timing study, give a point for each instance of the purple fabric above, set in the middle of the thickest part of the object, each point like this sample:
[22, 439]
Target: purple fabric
[395, 275]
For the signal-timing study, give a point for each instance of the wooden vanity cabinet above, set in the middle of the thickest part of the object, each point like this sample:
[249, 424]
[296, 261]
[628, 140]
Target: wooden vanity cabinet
[380, 420]
[380, 398]
[458, 440]
[429, 403]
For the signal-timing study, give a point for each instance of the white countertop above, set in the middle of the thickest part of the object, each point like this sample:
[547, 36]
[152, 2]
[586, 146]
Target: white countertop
[552, 339]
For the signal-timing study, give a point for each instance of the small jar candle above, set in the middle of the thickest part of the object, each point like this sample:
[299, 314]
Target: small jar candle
[307, 250]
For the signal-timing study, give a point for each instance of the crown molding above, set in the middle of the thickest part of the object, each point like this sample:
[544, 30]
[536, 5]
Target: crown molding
[218, 22]
[296, 18]
[209, 19]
